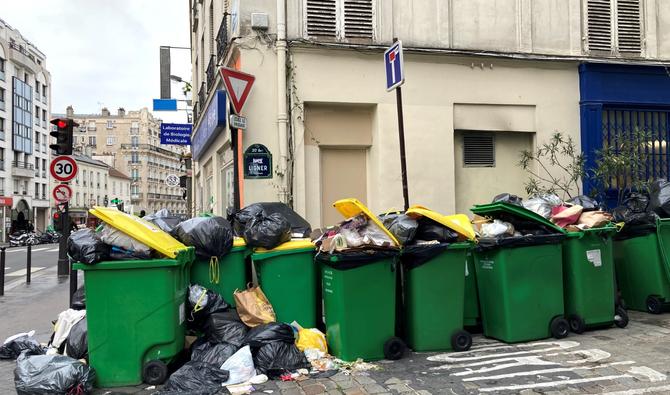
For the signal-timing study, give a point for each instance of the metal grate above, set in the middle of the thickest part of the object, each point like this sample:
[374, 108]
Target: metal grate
[622, 123]
[321, 18]
[599, 25]
[358, 18]
[628, 26]
[479, 150]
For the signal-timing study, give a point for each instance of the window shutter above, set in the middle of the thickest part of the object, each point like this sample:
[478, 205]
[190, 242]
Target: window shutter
[321, 18]
[599, 25]
[628, 26]
[358, 19]
[479, 150]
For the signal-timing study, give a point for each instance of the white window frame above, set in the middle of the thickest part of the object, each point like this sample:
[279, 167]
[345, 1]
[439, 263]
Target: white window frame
[111, 140]
[110, 124]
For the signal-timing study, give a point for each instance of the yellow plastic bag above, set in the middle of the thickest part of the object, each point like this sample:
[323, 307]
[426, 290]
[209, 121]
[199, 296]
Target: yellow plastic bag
[311, 338]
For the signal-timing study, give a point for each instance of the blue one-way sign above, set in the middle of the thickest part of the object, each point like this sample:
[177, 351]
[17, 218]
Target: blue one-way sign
[394, 68]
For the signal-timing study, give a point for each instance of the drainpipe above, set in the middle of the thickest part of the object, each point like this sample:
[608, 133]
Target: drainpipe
[282, 113]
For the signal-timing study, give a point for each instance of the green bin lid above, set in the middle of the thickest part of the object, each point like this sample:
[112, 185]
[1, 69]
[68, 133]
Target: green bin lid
[495, 209]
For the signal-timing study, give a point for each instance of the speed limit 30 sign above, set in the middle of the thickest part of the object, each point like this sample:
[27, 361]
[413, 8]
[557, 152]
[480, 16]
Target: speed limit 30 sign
[63, 168]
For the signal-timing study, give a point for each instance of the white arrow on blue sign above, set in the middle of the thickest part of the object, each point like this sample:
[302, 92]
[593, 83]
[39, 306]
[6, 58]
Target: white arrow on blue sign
[394, 66]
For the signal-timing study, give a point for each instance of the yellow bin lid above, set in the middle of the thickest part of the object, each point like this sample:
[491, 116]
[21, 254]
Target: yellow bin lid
[458, 222]
[353, 207]
[140, 229]
[238, 242]
[294, 244]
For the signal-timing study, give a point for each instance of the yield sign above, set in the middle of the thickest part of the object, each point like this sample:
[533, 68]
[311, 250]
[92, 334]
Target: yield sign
[238, 85]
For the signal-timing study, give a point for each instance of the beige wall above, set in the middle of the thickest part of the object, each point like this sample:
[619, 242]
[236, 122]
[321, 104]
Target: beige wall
[437, 90]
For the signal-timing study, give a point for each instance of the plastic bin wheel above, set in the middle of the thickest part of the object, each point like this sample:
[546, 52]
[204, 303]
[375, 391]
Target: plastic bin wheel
[620, 317]
[559, 327]
[577, 324]
[154, 372]
[461, 341]
[394, 349]
[654, 304]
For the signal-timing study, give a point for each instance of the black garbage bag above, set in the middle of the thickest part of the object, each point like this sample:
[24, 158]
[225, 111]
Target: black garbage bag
[211, 236]
[76, 345]
[267, 231]
[402, 226]
[274, 359]
[13, 348]
[429, 230]
[52, 374]
[86, 247]
[417, 254]
[507, 198]
[79, 299]
[588, 203]
[273, 332]
[220, 328]
[636, 202]
[212, 353]
[299, 226]
[120, 254]
[164, 220]
[202, 303]
[659, 195]
[198, 377]
[489, 243]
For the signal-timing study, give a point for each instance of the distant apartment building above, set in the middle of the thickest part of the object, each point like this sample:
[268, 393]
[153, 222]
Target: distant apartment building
[129, 141]
[25, 110]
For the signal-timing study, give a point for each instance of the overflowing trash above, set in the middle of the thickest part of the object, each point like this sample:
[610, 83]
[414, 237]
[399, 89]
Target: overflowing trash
[76, 345]
[14, 345]
[87, 247]
[267, 231]
[254, 307]
[210, 236]
[52, 374]
[300, 228]
[164, 220]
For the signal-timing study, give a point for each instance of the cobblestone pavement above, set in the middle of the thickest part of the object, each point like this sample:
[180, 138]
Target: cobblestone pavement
[630, 361]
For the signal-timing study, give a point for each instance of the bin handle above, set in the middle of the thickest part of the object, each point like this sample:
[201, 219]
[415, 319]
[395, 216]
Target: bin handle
[214, 270]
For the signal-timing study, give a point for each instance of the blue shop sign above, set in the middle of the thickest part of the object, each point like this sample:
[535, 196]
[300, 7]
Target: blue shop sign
[213, 121]
[176, 133]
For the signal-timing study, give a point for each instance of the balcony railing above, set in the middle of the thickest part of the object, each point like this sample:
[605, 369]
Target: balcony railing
[211, 72]
[134, 162]
[22, 165]
[21, 49]
[222, 38]
[136, 196]
[202, 94]
[134, 130]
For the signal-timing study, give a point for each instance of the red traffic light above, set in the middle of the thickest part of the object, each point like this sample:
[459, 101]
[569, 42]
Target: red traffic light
[56, 215]
[61, 124]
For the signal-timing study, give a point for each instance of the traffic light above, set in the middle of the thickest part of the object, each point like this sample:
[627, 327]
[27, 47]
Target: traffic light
[58, 221]
[63, 134]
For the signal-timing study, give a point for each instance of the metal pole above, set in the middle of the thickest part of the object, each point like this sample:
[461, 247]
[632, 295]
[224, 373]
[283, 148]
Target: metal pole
[401, 134]
[2, 270]
[236, 174]
[188, 163]
[28, 262]
[73, 284]
[4, 225]
[63, 261]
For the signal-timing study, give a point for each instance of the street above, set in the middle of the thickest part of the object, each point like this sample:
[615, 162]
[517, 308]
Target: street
[44, 256]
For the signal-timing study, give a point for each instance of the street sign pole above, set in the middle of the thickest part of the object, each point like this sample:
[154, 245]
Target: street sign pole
[234, 142]
[393, 62]
[63, 261]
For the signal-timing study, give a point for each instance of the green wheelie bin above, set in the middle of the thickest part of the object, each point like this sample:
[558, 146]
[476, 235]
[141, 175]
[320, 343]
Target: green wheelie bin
[520, 279]
[434, 296]
[226, 275]
[136, 317]
[288, 276]
[359, 295]
[471, 317]
[641, 257]
[588, 275]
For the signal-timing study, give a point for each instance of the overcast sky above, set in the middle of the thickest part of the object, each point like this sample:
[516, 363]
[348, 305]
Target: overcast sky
[103, 53]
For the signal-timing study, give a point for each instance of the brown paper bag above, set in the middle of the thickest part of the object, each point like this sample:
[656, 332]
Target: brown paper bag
[253, 307]
[594, 219]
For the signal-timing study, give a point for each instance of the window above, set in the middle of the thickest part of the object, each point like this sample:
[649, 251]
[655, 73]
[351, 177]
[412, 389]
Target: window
[114, 187]
[91, 140]
[134, 127]
[339, 19]
[134, 157]
[37, 164]
[76, 200]
[134, 174]
[37, 88]
[44, 163]
[84, 180]
[2, 99]
[37, 190]
[479, 150]
[44, 115]
[111, 140]
[2, 128]
[2, 69]
[91, 125]
[614, 26]
[110, 124]
[135, 141]
[22, 128]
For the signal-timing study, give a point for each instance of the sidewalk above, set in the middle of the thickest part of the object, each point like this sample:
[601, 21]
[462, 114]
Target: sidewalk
[630, 361]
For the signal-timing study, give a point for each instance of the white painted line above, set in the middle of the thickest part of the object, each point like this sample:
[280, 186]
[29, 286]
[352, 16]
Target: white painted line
[22, 272]
[649, 373]
[552, 383]
[519, 361]
[15, 249]
[39, 249]
[638, 391]
[560, 345]
[545, 371]
[7, 267]
[53, 250]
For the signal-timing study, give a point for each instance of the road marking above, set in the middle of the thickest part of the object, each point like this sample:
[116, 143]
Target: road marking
[649, 373]
[22, 272]
[559, 345]
[520, 361]
[552, 383]
[53, 250]
[544, 371]
[15, 249]
[638, 391]
[39, 249]
[7, 267]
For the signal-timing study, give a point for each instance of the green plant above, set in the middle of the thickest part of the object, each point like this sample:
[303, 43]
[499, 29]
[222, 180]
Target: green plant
[555, 167]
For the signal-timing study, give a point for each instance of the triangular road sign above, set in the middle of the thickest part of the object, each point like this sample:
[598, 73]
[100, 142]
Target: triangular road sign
[238, 85]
